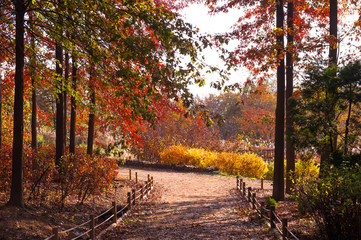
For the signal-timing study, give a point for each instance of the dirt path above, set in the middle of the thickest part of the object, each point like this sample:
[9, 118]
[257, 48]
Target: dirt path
[191, 206]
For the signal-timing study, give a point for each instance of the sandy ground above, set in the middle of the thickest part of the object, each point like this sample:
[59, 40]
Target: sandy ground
[191, 206]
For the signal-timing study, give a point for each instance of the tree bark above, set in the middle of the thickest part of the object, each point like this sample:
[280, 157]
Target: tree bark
[66, 76]
[34, 134]
[59, 105]
[59, 131]
[278, 179]
[333, 33]
[91, 123]
[290, 151]
[73, 107]
[17, 187]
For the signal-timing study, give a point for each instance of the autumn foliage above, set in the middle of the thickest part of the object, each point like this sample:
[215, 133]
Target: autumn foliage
[80, 175]
[246, 164]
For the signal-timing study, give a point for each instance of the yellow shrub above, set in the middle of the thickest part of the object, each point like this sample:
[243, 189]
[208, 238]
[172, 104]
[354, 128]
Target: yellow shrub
[246, 164]
[306, 169]
[303, 169]
[175, 155]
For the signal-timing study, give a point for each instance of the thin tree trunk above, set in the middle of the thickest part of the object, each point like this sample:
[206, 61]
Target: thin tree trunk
[91, 123]
[59, 131]
[34, 134]
[290, 151]
[59, 105]
[73, 108]
[17, 187]
[333, 33]
[278, 179]
[333, 55]
[66, 95]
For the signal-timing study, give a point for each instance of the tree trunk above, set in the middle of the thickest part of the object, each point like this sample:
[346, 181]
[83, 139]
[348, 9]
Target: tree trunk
[91, 123]
[59, 105]
[73, 108]
[17, 187]
[34, 134]
[278, 179]
[333, 54]
[59, 131]
[290, 151]
[66, 75]
[333, 33]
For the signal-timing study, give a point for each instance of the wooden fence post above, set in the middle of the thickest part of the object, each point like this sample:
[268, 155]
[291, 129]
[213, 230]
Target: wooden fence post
[141, 193]
[55, 233]
[244, 189]
[151, 183]
[133, 197]
[114, 211]
[92, 227]
[284, 229]
[130, 174]
[272, 216]
[136, 177]
[240, 184]
[261, 183]
[254, 200]
[129, 201]
[249, 194]
[237, 182]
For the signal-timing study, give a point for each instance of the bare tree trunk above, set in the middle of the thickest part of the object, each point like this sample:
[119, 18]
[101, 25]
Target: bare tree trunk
[17, 186]
[66, 75]
[290, 151]
[59, 131]
[73, 108]
[34, 134]
[333, 33]
[278, 179]
[91, 123]
[59, 106]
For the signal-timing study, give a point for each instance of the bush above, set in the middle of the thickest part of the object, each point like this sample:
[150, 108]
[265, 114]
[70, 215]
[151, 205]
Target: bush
[247, 164]
[333, 201]
[81, 175]
[303, 168]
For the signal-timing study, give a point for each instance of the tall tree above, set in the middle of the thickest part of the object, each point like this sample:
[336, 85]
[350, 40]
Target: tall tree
[278, 179]
[333, 49]
[34, 137]
[17, 186]
[73, 106]
[290, 151]
[59, 131]
[91, 123]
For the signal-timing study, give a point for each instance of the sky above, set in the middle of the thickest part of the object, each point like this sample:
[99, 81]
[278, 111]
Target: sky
[197, 15]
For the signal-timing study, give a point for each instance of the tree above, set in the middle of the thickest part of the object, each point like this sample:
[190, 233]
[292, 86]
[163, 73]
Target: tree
[73, 107]
[17, 186]
[333, 49]
[278, 179]
[290, 151]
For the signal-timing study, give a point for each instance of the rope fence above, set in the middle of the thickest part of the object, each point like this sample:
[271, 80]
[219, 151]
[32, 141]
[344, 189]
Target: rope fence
[132, 198]
[269, 214]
